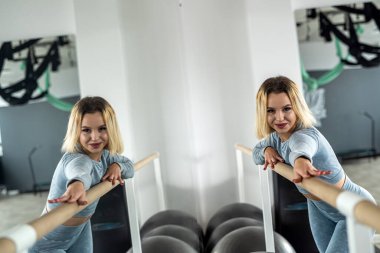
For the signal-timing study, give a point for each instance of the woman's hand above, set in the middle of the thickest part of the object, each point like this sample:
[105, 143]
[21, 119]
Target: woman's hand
[304, 169]
[271, 157]
[113, 174]
[75, 193]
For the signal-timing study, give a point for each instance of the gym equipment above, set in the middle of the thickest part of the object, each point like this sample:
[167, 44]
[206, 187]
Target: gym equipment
[37, 187]
[291, 216]
[179, 232]
[110, 224]
[164, 244]
[227, 227]
[233, 211]
[250, 239]
[173, 217]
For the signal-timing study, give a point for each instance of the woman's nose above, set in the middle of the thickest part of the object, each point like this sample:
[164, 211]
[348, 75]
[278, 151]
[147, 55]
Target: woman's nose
[94, 135]
[279, 116]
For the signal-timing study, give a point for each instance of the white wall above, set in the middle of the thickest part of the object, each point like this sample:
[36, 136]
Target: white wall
[159, 101]
[218, 71]
[38, 18]
[274, 43]
[193, 68]
[100, 58]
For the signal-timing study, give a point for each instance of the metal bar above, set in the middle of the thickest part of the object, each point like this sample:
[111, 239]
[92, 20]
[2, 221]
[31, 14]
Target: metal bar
[160, 185]
[267, 209]
[133, 215]
[240, 175]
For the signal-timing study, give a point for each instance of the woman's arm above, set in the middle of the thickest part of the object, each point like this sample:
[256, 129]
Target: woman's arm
[119, 168]
[77, 169]
[303, 146]
[265, 154]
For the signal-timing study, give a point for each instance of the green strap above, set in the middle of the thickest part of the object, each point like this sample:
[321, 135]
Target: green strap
[313, 83]
[54, 101]
[59, 104]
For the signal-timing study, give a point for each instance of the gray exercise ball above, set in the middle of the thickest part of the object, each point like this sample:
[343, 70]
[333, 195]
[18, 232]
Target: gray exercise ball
[178, 232]
[164, 244]
[227, 227]
[232, 211]
[250, 239]
[173, 217]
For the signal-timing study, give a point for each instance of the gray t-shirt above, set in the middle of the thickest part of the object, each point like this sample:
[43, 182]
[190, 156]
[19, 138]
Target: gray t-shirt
[307, 142]
[79, 166]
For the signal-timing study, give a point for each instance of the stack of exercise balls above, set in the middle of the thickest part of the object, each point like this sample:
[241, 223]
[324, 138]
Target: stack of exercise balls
[236, 227]
[239, 228]
[171, 231]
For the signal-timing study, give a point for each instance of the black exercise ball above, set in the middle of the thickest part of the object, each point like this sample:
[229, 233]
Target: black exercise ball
[178, 232]
[227, 227]
[250, 239]
[233, 211]
[164, 244]
[172, 217]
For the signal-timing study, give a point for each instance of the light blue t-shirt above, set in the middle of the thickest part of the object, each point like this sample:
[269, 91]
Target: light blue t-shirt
[79, 166]
[307, 142]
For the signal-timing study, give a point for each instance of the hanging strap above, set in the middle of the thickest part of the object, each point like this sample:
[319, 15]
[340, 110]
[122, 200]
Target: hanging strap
[29, 83]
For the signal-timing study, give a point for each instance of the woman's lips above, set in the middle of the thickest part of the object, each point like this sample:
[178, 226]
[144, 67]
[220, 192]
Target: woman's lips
[281, 126]
[95, 146]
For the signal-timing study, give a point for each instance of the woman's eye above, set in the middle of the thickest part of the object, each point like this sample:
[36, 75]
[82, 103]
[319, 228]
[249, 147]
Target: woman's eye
[86, 130]
[270, 111]
[287, 109]
[103, 129]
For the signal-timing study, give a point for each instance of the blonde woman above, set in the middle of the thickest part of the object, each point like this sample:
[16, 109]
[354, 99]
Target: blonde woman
[92, 146]
[285, 125]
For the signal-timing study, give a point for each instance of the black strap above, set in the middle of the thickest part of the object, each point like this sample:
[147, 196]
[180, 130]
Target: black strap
[29, 84]
[355, 47]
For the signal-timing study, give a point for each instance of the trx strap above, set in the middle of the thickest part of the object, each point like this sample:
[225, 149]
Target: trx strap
[314, 83]
[355, 48]
[57, 103]
[29, 84]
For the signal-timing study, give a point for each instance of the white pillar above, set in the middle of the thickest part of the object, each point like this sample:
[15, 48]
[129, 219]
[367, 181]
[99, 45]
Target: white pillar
[273, 40]
[102, 71]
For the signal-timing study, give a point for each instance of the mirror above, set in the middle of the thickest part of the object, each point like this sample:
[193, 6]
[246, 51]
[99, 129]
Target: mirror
[348, 100]
[339, 48]
[38, 85]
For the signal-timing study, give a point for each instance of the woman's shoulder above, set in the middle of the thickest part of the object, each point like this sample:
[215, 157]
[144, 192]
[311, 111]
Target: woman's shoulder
[309, 131]
[75, 156]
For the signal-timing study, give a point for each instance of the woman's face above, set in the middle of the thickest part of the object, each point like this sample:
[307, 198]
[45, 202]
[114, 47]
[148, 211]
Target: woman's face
[280, 115]
[93, 135]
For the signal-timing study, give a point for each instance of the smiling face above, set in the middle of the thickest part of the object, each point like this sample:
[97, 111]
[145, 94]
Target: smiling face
[280, 115]
[93, 135]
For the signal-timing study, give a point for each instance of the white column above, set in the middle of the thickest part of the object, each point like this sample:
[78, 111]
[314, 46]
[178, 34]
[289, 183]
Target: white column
[273, 40]
[100, 52]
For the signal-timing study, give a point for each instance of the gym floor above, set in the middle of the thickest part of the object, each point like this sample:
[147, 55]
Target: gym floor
[22, 208]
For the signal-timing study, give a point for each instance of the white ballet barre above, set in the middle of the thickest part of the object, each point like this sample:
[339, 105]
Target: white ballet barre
[131, 202]
[21, 237]
[362, 215]
[265, 194]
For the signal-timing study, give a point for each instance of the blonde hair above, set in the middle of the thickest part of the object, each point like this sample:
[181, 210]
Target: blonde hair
[277, 85]
[91, 105]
